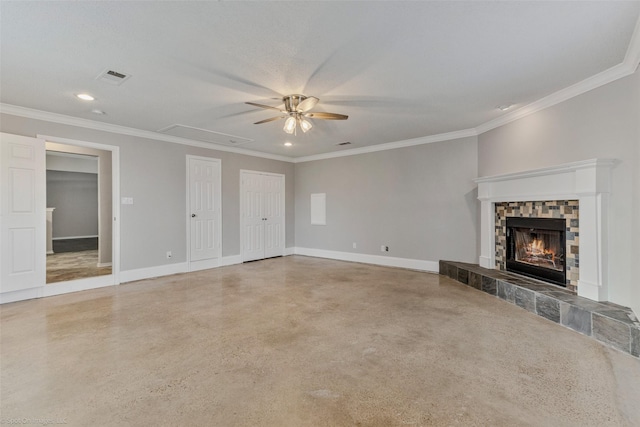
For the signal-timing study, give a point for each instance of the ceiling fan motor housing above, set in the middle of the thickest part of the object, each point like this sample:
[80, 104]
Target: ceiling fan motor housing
[291, 102]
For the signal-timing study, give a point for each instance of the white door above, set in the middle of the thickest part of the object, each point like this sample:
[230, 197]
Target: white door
[262, 215]
[22, 213]
[252, 217]
[273, 194]
[204, 209]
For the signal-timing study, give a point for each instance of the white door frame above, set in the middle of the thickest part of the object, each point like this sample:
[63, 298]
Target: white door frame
[282, 206]
[114, 277]
[216, 262]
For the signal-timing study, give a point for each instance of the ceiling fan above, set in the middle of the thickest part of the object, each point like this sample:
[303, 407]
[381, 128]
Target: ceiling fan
[296, 111]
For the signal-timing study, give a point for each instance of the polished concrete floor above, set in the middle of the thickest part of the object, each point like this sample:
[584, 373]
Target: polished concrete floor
[300, 341]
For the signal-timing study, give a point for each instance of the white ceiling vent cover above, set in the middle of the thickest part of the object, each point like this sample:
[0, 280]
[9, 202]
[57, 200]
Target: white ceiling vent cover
[204, 135]
[112, 77]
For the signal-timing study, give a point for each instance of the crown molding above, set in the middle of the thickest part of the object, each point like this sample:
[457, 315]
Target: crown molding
[391, 145]
[627, 67]
[123, 130]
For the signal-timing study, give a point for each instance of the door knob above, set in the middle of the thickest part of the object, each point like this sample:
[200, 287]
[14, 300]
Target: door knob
[193, 215]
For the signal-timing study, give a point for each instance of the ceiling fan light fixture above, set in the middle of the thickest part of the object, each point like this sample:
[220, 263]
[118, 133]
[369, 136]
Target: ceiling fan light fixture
[305, 125]
[290, 125]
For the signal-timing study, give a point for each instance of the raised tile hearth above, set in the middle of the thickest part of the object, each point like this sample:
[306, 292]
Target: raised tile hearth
[609, 323]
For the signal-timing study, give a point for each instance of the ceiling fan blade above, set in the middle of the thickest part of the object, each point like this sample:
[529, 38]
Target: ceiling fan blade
[269, 120]
[326, 116]
[307, 104]
[263, 106]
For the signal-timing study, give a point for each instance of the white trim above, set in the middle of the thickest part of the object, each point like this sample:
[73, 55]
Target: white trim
[21, 295]
[204, 264]
[74, 237]
[626, 67]
[614, 73]
[551, 170]
[262, 172]
[115, 193]
[413, 264]
[77, 285]
[289, 251]
[587, 181]
[214, 262]
[230, 260]
[123, 130]
[391, 145]
[150, 272]
[104, 264]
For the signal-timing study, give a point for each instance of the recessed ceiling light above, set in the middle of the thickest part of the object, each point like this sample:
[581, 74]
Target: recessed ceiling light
[288, 144]
[504, 107]
[99, 112]
[85, 97]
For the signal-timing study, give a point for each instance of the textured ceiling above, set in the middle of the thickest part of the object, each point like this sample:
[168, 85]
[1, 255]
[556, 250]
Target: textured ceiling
[400, 70]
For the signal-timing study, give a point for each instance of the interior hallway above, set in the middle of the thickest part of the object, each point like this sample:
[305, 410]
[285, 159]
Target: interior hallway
[300, 341]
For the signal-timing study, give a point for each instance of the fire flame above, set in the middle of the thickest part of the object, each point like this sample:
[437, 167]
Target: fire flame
[537, 249]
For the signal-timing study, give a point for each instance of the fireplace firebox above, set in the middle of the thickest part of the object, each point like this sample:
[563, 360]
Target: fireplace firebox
[536, 248]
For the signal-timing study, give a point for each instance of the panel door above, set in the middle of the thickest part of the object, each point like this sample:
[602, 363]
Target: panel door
[204, 179]
[252, 216]
[273, 195]
[22, 213]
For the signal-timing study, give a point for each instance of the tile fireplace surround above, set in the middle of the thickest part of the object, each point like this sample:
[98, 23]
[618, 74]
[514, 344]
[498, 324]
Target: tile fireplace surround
[585, 181]
[588, 312]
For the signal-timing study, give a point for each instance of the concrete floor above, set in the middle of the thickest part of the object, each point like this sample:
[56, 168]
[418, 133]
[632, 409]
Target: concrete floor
[300, 341]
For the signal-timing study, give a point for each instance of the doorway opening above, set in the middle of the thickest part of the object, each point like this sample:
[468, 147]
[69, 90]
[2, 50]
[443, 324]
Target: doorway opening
[82, 232]
[74, 232]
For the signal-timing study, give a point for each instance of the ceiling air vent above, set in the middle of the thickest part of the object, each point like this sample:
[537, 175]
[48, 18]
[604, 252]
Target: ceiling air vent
[113, 77]
[344, 143]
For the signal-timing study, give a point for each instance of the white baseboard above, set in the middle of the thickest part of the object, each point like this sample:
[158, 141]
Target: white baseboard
[231, 260]
[289, 251]
[104, 264]
[413, 264]
[21, 295]
[74, 237]
[78, 285]
[204, 264]
[149, 272]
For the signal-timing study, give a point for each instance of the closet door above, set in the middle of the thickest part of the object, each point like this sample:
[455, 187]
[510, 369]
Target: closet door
[262, 215]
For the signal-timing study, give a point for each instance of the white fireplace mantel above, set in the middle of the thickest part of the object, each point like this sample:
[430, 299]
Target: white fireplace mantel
[587, 181]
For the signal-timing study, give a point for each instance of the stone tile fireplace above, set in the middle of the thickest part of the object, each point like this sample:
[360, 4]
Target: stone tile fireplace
[565, 259]
[575, 197]
[576, 192]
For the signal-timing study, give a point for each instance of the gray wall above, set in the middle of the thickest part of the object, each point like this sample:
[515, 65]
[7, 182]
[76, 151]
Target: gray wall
[154, 174]
[75, 197]
[602, 123]
[420, 201]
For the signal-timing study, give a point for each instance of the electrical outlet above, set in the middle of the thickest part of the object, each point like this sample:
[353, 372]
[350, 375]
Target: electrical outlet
[354, 245]
[384, 248]
[169, 255]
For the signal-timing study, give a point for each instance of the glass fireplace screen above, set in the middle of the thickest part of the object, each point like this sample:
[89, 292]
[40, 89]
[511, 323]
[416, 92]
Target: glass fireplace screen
[536, 248]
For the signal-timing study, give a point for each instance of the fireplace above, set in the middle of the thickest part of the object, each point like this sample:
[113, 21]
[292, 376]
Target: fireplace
[536, 248]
